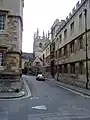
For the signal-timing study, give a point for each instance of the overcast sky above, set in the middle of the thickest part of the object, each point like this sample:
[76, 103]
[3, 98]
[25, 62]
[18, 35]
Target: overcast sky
[42, 14]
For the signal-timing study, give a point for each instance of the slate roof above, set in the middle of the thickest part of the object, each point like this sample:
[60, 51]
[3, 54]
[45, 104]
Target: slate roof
[28, 56]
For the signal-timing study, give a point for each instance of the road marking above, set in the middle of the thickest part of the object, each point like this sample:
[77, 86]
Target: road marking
[58, 116]
[81, 94]
[78, 108]
[34, 98]
[27, 88]
[41, 107]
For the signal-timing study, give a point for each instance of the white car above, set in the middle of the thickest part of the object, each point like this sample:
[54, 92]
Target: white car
[40, 77]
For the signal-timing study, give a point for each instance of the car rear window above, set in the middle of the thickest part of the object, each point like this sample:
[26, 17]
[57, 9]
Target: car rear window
[40, 75]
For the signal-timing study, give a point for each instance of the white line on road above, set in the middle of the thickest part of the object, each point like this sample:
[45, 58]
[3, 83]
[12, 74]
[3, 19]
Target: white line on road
[86, 96]
[78, 108]
[34, 98]
[27, 88]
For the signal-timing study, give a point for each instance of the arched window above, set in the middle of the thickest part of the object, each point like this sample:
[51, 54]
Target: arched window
[40, 45]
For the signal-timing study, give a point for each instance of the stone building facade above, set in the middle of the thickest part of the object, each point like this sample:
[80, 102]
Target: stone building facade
[39, 43]
[11, 25]
[46, 58]
[27, 58]
[68, 47]
[27, 62]
[37, 65]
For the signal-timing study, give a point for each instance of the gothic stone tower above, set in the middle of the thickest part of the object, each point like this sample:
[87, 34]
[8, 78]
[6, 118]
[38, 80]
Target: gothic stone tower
[39, 43]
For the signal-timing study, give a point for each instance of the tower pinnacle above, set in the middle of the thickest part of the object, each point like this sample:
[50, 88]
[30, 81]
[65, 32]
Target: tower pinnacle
[48, 34]
[37, 32]
[34, 35]
[43, 34]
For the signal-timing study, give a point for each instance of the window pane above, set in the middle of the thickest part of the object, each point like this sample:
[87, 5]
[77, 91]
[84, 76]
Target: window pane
[89, 3]
[60, 52]
[65, 50]
[72, 68]
[81, 66]
[65, 34]
[2, 22]
[1, 59]
[60, 68]
[1, 18]
[72, 28]
[60, 38]
[81, 42]
[80, 21]
[72, 46]
[65, 68]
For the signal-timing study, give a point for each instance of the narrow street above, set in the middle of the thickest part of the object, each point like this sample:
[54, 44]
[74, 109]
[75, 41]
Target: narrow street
[47, 102]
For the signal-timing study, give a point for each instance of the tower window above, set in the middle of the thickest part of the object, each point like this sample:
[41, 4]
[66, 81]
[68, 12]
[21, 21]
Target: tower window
[40, 45]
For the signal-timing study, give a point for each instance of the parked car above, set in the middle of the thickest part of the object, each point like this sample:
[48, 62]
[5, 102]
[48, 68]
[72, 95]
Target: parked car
[40, 77]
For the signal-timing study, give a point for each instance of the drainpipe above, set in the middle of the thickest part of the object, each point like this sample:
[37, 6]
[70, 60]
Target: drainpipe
[87, 79]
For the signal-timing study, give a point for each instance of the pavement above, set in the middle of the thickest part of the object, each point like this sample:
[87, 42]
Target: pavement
[46, 102]
[80, 90]
[7, 90]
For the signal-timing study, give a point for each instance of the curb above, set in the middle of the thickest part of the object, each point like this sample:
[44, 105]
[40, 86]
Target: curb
[18, 95]
[69, 88]
[25, 91]
[12, 95]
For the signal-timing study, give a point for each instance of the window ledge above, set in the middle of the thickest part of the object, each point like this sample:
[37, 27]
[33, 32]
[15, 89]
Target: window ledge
[1, 31]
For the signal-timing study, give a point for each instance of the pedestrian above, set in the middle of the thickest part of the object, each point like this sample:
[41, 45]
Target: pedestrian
[57, 76]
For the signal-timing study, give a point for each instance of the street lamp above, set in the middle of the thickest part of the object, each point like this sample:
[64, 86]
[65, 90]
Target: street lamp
[87, 79]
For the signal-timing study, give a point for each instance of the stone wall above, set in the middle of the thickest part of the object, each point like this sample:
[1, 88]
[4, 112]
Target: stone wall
[12, 62]
[12, 32]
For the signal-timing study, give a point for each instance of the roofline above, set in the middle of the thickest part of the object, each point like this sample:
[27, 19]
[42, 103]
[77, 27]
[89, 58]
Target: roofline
[54, 24]
[72, 16]
[2, 10]
[26, 53]
[13, 52]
